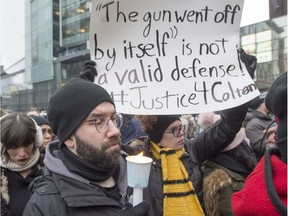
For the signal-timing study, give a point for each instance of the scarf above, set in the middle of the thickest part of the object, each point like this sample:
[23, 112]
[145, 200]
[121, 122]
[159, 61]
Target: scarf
[79, 166]
[6, 164]
[18, 168]
[179, 193]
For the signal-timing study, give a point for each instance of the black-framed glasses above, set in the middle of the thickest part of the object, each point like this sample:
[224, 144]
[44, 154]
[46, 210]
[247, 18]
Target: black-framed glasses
[177, 131]
[102, 123]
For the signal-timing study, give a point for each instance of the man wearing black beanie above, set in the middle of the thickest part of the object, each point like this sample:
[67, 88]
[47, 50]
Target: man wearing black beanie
[85, 170]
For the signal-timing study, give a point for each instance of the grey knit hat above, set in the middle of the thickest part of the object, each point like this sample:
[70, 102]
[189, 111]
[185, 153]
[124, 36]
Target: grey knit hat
[72, 103]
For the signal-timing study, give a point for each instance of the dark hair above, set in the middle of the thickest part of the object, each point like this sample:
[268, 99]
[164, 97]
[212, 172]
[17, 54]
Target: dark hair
[17, 130]
[147, 121]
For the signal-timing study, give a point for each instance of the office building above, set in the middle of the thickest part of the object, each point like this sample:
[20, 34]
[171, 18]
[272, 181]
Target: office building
[56, 38]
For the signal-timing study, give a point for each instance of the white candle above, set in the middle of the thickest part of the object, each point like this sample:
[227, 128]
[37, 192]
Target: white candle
[137, 196]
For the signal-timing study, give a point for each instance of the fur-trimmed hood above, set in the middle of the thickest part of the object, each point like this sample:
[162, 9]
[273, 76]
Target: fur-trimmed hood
[214, 182]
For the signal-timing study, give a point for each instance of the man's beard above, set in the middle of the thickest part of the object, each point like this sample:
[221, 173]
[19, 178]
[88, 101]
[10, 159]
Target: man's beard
[98, 157]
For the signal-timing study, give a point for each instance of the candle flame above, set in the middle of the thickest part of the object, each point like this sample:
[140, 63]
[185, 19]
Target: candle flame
[141, 154]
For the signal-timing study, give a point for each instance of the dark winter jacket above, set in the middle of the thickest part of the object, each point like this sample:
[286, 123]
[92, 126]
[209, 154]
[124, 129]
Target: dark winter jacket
[218, 186]
[255, 129]
[60, 192]
[15, 186]
[225, 174]
[205, 145]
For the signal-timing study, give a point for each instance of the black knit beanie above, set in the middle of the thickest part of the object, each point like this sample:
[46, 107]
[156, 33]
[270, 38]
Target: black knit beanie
[72, 103]
[40, 120]
[162, 123]
[276, 103]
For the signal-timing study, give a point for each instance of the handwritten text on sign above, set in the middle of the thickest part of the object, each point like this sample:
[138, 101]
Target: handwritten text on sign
[169, 57]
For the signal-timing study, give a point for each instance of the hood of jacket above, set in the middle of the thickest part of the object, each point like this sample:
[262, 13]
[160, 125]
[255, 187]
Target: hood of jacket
[53, 162]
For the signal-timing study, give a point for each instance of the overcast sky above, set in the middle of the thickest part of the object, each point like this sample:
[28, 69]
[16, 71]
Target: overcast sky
[255, 11]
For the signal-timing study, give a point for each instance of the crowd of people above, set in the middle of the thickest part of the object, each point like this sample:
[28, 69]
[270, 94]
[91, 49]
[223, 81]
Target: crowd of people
[72, 161]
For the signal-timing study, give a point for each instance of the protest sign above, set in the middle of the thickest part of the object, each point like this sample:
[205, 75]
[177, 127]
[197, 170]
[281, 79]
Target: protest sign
[170, 57]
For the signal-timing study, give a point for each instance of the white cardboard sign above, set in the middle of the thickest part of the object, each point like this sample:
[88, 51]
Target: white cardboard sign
[169, 57]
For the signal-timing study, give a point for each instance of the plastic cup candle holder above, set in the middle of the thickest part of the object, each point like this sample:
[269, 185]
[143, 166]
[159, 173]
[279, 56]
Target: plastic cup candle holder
[138, 171]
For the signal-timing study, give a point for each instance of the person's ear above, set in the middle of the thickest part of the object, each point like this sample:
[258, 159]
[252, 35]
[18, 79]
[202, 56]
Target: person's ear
[70, 142]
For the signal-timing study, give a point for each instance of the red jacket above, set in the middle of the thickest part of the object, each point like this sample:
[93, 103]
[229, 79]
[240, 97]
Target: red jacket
[253, 199]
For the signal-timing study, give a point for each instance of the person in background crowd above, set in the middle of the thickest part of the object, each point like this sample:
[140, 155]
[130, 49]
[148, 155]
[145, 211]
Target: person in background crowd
[32, 111]
[46, 131]
[265, 189]
[259, 121]
[205, 120]
[20, 161]
[225, 173]
[270, 137]
[85, 171]
[131, 132]
[175, 182]
[190, 126]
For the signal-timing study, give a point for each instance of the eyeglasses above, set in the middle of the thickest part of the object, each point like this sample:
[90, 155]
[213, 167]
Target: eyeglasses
[102, 123]
[177, 131]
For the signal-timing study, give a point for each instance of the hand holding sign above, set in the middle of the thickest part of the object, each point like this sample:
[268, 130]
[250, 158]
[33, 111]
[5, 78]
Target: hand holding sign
[249, 61]
[165, 57]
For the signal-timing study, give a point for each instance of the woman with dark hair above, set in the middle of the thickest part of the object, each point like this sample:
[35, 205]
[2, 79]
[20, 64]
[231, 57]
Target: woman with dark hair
[175, 182]
[20, 160]
[46, 131]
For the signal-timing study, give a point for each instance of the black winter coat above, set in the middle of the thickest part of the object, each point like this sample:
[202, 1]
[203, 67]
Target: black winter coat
[59, 192]
[17, 189]
[79, 199]
[207, 144]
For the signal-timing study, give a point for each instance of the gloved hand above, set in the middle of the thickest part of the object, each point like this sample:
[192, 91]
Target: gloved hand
[88, 71]
[250, 62]
[141, 209]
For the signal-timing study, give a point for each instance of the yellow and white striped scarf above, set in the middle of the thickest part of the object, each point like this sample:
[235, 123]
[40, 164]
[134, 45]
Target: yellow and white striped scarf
[179, 193]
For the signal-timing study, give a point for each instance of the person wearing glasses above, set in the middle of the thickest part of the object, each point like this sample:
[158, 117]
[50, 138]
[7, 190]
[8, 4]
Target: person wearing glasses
[46, 131]
[20, 160]
[85, 170]
[175, 183]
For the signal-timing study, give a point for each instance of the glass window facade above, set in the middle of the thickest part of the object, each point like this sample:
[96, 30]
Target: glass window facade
[41, 47]
[268, 42]
[75, 21]
[39, 65]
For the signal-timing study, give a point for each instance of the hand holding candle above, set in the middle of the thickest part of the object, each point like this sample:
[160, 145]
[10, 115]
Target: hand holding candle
[138, 171]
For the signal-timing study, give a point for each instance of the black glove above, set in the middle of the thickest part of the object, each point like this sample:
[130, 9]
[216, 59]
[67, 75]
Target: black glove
[141, 209]
[88, 71]
[250, 62]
